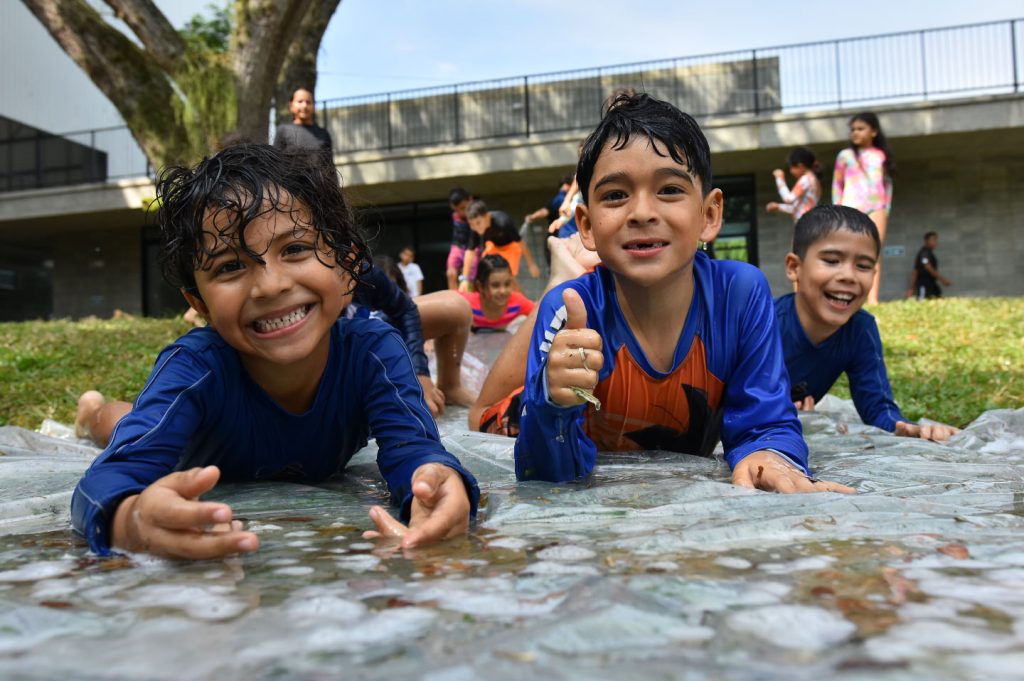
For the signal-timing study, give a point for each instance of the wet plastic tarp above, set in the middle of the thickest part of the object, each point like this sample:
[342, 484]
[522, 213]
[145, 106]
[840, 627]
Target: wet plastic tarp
[655, 568]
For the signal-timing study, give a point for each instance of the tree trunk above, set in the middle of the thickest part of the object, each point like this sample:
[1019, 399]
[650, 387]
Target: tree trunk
[299, 69]
[129, 77]
[264, 30]
[171, 98]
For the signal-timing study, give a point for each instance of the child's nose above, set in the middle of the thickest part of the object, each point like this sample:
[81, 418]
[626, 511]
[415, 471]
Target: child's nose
[270, 281]
[643, 208]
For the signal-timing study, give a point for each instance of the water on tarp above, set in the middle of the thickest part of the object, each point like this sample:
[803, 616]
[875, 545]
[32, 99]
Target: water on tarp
[656, 567]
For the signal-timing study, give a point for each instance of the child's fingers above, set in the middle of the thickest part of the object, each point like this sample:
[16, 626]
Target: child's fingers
[575, 310]
[191, 483]
[386, 525]
[829, 486]
[176, 513]
[193, 546]
[743, 476]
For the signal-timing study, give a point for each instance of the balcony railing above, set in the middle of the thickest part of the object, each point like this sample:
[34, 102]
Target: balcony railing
[975, 59]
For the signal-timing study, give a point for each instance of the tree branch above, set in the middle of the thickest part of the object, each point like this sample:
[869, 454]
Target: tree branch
[127, 75]
[153, 29]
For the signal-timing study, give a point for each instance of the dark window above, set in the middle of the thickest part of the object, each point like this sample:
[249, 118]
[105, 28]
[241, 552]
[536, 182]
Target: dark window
[738, 238]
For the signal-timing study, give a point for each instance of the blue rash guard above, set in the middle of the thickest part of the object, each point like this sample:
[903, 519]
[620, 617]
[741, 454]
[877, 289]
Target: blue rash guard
[727, 380]
[855, 348]
[199, 407]
[376, 293]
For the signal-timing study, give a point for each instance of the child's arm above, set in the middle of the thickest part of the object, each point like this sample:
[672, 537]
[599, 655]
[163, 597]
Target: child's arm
[551, 444]
[838, 178]
[130, 499]
[872, 392]
[761, 434]
[789, 197]
[530, 262]
[410, 449]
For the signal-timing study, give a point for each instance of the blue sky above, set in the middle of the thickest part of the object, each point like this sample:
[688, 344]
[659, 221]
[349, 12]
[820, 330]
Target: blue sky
[384, 45]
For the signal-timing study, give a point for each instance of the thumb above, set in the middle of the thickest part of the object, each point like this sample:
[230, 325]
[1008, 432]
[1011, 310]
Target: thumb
[193, 483]
[575, 310]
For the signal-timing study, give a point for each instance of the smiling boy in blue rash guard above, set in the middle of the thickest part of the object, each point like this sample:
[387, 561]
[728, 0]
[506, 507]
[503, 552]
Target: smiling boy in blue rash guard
[659, 347]
[275, 387]
[824, 330]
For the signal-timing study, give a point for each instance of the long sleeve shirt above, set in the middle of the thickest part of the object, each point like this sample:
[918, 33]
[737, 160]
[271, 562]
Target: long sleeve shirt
[199, 407]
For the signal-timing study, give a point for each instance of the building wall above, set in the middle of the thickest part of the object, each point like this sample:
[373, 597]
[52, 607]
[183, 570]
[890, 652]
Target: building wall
[965, 187]
[97, 272]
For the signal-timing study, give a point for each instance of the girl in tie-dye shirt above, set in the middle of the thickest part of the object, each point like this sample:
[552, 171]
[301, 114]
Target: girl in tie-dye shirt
[863, 178]
[805, 194]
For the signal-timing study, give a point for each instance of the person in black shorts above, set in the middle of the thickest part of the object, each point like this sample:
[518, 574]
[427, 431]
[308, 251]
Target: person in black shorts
[925, 278]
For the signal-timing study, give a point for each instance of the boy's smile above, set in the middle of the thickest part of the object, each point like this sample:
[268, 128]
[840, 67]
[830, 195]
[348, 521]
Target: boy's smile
[645, 214]
[277, 313]
[833, 280]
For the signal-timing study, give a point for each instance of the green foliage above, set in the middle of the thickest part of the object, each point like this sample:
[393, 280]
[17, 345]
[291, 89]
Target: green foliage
[948, 359]
[209, 34]
[208, 103]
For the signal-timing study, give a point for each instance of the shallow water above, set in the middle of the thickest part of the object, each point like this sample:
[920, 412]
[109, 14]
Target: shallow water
[657, 567]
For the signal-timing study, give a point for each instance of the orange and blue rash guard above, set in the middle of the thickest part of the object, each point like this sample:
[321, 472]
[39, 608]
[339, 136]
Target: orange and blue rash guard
[728, 380]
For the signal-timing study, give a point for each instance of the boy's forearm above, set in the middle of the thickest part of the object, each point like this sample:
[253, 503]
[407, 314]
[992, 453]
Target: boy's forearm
[551, 445]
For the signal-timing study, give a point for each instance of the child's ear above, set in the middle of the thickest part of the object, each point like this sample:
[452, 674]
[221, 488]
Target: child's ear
[714, 209]
[793, 267]
[585, 228]
[197, 304]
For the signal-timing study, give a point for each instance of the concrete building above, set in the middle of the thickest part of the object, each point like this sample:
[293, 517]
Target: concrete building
[958, 137]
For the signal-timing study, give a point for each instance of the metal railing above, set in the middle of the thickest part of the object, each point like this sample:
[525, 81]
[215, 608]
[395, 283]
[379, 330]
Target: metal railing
[985, 58]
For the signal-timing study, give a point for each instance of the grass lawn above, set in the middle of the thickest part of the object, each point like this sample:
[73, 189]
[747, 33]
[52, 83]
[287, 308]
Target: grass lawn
[948, 359]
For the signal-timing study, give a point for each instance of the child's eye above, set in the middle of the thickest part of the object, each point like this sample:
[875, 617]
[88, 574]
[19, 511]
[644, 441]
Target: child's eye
[297, 248]
[672, 189]
[227, 267]
[831, 261]
[613, 195]
[865, 267]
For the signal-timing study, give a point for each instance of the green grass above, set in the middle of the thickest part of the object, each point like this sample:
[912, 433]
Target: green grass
[948, 359]
[951, 359]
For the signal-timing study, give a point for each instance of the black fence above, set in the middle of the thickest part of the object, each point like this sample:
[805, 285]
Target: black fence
[974, 59]
[884, 69]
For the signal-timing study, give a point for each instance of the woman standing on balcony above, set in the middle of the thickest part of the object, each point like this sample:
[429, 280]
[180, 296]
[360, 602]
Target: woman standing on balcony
[863, 178]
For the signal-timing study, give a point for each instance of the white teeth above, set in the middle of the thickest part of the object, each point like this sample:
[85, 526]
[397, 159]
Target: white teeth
[267, 325]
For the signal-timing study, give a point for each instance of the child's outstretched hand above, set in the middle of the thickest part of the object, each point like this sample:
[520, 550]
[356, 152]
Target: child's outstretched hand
[939, 432]
[167, 519]
[575, 358]
[779, 174]
[771, 472]
[440, 509]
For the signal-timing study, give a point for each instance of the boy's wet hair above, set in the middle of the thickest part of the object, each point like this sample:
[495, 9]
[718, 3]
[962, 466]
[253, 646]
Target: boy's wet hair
[240, 184]
[640, 115]
[487, 266]
[820, 221]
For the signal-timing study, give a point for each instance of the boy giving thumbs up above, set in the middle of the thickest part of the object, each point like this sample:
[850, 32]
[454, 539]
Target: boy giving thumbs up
[659, 347]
